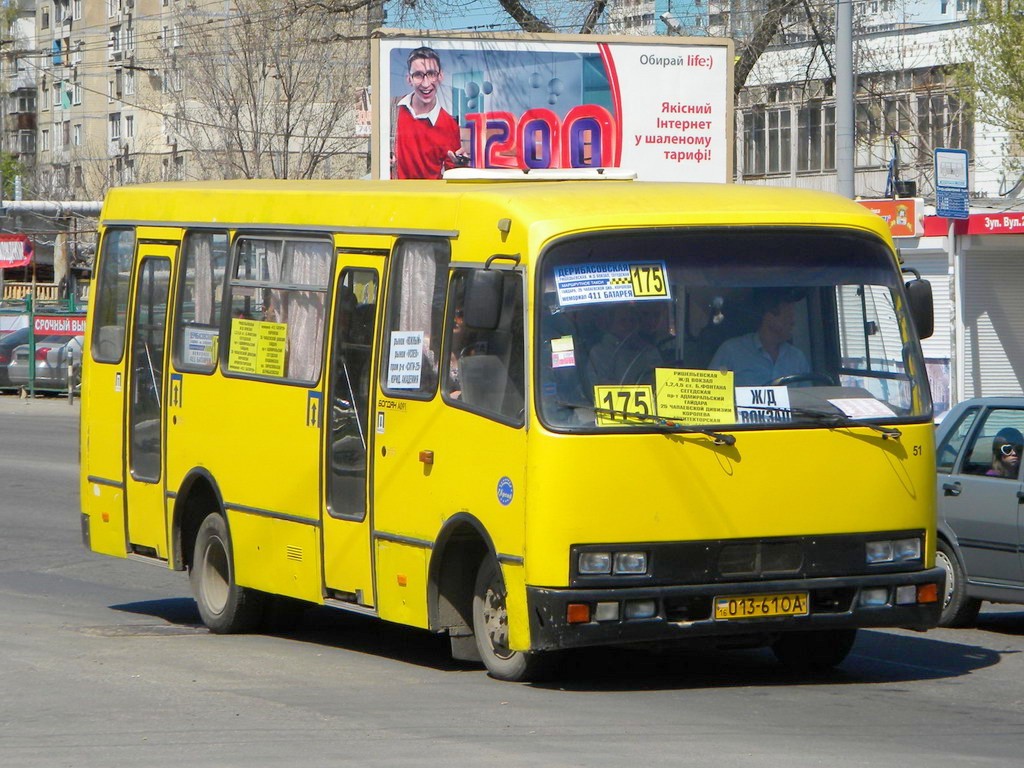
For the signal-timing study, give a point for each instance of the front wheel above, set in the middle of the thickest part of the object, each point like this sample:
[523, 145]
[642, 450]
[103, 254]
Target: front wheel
[815, 650]
[490, 628]
[224, 607]
[958, 610]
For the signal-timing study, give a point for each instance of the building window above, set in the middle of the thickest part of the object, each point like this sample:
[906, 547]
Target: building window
[44, 140]
[129, 126]
[779, 134]
[816, 137]
[114, 123]
[76, 134]
[766, 141]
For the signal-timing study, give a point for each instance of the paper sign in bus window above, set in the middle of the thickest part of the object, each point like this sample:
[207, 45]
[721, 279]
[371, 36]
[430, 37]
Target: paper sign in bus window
[695, 396]
[563, 353]
[257, 347]
[200, 346]
[863, 407]
[763, 405]
[243, 348]
[405, 360]
[270, 351]
[623, 405]
[577, 284]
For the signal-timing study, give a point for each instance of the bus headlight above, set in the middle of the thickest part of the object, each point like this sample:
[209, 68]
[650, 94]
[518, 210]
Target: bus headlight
[603, 563]
[591, 563]
[893, 550]
[630, 562]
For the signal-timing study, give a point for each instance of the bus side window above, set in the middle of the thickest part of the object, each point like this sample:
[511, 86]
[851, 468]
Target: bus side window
[415, 318]
[484, 369]
[277, 305]
[197, 321]
[113, 287]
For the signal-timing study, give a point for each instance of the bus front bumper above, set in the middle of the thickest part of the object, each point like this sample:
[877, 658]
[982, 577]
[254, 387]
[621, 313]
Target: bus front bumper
[576, 618]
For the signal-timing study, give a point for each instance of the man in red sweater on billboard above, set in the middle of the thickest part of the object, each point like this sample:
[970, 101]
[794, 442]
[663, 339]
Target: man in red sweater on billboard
[427, 138]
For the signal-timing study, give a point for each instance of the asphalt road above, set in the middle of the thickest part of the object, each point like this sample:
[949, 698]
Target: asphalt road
[103, 662]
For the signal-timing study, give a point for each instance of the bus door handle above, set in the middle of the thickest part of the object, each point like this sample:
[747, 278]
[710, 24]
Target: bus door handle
[1020, 497]
[951, 489]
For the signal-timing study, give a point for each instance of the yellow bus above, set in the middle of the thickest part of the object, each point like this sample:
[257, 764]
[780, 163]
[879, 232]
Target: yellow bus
[516, 411]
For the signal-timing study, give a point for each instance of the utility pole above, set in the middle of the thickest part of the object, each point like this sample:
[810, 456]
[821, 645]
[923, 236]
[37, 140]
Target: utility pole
[375, 17]
[844, 98]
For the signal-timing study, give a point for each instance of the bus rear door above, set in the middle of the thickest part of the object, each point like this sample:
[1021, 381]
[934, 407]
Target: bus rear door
[347, 516]
[145, 407]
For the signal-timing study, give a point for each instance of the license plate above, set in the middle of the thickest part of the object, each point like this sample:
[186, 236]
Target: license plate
[760, 606]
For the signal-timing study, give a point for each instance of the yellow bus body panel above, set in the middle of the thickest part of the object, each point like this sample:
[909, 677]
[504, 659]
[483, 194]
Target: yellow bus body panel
[258, 443]
[643, 488]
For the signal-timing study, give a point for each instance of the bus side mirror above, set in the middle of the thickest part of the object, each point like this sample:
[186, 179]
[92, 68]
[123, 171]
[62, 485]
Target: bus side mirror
[482, 305]
[919, 295]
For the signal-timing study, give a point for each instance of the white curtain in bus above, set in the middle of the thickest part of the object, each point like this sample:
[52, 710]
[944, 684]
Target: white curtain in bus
[309, 264]
[203, 260]
[419, 273]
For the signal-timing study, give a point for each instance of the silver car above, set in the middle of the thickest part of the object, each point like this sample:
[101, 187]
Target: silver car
[54, 355]
[980, 506]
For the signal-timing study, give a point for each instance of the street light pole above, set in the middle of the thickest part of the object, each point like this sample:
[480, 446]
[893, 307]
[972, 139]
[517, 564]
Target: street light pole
[844, 98]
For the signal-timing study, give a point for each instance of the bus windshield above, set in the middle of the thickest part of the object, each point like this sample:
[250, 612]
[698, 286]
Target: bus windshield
[724, 327]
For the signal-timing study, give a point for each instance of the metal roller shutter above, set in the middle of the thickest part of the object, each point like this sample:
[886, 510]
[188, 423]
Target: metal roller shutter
[993, 324]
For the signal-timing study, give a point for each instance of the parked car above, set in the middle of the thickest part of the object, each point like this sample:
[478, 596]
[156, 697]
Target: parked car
[981, 506]
[8, 343]
[52, 354]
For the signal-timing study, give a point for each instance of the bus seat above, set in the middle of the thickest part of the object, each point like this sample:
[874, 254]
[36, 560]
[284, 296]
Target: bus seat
[484, 378]
[110, 342]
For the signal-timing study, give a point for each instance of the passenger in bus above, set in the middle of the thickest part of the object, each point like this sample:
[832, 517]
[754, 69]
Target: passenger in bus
[427, 138]
[1006, 449]
[622, 356]
[655, 329]
[761, 357]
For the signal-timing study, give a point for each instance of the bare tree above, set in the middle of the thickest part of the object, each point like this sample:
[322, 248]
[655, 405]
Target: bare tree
[264, 90]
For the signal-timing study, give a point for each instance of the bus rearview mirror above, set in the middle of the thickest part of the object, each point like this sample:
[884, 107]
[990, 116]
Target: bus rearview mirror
[919, 295]
[482, 307]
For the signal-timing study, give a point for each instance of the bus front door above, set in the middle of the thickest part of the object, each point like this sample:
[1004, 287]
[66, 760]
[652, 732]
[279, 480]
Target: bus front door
[347, 518]
[144, 486]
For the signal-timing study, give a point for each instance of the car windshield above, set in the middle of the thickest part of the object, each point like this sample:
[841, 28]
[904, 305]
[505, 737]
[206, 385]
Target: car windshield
[725, 328]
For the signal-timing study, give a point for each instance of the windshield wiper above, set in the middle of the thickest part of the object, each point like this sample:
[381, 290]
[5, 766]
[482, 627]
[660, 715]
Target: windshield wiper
[839, 419]
[660, 422]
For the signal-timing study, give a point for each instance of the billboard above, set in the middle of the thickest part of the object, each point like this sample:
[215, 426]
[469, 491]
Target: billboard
[661, 107]
[15, 251]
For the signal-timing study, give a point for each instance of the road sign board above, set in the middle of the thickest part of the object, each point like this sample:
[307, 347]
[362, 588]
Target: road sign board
[951, 183]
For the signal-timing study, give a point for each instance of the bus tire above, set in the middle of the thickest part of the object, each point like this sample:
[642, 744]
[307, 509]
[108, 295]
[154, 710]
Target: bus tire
[490, 628]
[958, 610]
[814, 650]
[224, 607]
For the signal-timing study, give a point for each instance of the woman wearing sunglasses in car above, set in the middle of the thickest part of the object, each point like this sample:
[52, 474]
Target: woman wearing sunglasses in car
[1006, 450]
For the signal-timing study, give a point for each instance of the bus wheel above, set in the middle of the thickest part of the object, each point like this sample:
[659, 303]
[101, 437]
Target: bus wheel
[490, 628]
[224, 607]
[958, 610]
[815, 650]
